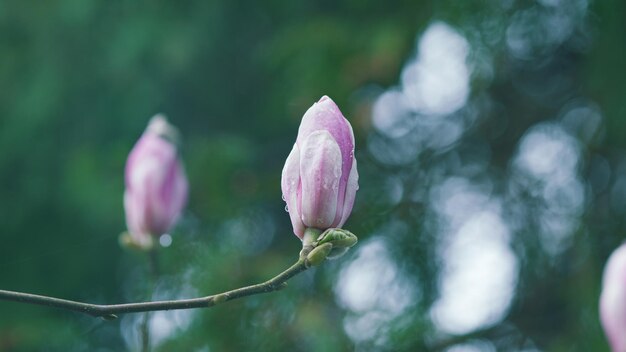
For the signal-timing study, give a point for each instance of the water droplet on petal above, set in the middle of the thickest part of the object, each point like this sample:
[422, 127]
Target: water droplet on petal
[286, 208]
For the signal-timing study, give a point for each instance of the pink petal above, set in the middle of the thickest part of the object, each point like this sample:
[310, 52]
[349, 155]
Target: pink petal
[348, 163]
[290, 182]
[613, 299]
[172, 195]
[351, 188]
[320, 172]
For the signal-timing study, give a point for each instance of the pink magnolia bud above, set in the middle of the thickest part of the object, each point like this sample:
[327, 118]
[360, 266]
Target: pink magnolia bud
[613, 300]
[156, 185]
[320, 180]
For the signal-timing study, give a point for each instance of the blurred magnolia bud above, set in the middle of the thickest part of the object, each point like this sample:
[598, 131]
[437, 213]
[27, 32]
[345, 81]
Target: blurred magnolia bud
[613, 300]
[156, 184]
[320, 178]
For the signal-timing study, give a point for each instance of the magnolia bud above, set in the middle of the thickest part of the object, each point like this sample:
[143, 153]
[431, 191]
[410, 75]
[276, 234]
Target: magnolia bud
[320, 178]
[613, 300]
[156, 185]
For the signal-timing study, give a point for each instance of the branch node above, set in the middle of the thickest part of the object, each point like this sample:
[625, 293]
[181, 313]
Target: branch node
[220, 298]
[109, 317]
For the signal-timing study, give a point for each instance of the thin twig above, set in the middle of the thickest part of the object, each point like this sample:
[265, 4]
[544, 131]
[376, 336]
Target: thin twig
[111, 311]
[144, 331]
[155, 272]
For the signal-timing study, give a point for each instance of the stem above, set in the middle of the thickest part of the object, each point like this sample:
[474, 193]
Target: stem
[308, 241]
[144, 331]
[144, 328]
[110, 311]
[153, 264]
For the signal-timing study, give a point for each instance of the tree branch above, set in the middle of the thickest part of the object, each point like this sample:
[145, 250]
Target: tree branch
[110, 311]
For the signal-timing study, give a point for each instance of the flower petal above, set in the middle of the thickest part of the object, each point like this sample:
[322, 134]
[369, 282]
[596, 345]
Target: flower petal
[613, 299]
[173, 195]
[320, 172]
[351, 188]
[290, 183]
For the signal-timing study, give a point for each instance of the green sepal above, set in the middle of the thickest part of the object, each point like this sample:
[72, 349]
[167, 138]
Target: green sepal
[128, 242]
[339, 238]
[337, 252]
[318, 254]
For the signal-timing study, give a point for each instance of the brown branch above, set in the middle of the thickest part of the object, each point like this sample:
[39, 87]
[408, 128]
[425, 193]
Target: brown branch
[110, 311]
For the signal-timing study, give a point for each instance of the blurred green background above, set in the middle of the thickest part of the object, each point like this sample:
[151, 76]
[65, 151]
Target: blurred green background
[490, 141]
